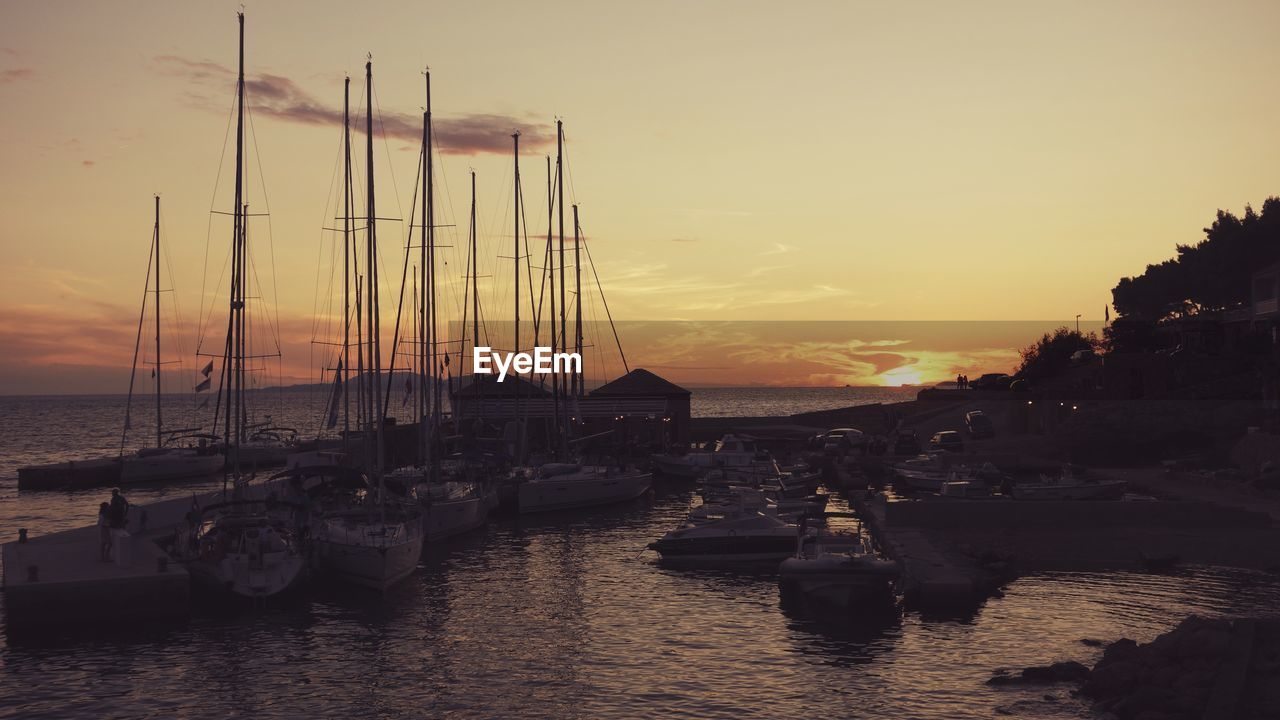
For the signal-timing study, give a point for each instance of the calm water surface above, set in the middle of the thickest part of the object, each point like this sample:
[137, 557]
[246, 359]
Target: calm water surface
[565, 616]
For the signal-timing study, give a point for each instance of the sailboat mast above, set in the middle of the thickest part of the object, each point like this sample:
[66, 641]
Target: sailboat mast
[346, 260]
[577, 302]
[159, 421]
[431, 296]
[515, 254]
[371, 301]
[560, 213]
[237, 273]
[550, 271]
[475, 273]
[244, 342]
[423, 370]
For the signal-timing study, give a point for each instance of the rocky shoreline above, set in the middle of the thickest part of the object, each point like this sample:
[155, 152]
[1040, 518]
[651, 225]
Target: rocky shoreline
[1203, 669]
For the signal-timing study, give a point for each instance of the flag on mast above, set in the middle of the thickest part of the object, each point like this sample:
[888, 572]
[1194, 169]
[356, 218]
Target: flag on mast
[204, 385]
[207, 369]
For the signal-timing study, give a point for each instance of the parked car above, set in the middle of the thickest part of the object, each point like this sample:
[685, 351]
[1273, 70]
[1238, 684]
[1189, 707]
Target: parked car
[1080, 357]
[906, 443]
[844, 440]
[992, 381]
[948, 440]
[979, 425]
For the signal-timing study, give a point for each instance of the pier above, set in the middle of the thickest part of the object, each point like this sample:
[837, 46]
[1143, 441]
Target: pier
[59, 578]
[954, 553]
[72, 475]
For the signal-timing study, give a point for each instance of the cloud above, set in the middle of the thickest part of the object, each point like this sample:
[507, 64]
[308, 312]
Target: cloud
[15, 74]
[87, 163]
[684, 240]
[778, 249]
[281, 98]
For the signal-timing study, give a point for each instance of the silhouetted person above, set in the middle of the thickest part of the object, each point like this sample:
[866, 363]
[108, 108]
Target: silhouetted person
[118, 512]
[104, 532]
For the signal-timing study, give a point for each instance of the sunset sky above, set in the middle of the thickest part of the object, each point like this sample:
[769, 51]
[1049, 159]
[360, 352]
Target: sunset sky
[733, 161]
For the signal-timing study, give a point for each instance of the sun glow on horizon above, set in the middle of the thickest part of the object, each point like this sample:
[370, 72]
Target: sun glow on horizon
[900, 376]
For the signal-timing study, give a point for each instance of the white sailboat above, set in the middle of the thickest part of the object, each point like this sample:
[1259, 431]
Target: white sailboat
[565, 486]
[164, 461]
[457, 495]
[248, 547]
[571, 485]
[374, 538]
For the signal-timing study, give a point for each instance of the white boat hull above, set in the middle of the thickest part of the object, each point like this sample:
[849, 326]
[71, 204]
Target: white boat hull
[447, 518]
[555, 493]
[369, 565]
[169, 466]
[240, 575]
[840, 581]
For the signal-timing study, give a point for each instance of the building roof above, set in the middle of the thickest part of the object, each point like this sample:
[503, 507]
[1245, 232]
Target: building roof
[488, 386]
[639, 382]
[1267, 270]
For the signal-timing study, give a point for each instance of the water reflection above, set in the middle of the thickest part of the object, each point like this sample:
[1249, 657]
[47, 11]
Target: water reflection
[562, 615]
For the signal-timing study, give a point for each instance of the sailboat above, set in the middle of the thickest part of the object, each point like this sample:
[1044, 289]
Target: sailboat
[455, 495]
[373, 537]
[247, 547]
[164, 461]
[569, 485]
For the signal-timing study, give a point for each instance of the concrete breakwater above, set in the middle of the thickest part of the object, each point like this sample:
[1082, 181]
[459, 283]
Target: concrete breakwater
[60, 578]
[955, 553]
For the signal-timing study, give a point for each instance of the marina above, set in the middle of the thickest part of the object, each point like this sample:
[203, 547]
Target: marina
[411, 361]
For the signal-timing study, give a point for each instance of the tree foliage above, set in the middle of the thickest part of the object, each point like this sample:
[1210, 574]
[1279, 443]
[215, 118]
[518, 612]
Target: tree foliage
[1213, 274]
[1051, 354]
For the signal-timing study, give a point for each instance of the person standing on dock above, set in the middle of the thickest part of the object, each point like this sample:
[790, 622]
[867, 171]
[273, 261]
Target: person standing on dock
[118, 514]
[104, 532]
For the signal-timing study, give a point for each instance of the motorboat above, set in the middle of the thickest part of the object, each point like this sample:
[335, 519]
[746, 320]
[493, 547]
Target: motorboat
[730, 451]
[734, 539]
[564, 486]
[1068, 486]
[839, 569]
[749, 500]
[931, 473]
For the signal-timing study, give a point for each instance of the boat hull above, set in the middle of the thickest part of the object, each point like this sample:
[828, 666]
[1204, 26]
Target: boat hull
[241, 576]
[841, 583]
[727, 549]
[446, 518]
[550, 494]
[676, 466]
[373, 566]
[161, 467]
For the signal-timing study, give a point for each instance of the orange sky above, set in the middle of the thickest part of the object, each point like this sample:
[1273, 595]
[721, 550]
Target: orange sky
[733, 160]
